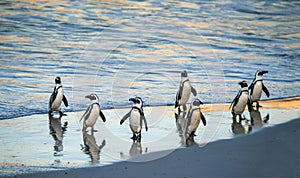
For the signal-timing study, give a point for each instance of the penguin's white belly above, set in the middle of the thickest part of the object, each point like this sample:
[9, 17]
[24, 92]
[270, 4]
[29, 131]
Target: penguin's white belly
[91, 120]
[256, 91]
[186, 92]
[194, 123]
[57, 102]
[135, 121]
[240, 106]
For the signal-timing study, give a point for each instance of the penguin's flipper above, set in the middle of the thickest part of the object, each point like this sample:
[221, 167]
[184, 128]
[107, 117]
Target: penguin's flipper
[265, 90]
[145, 122]
[250, 88]
[102, 116]
[203, 119]
[236, 99]
[50, 101]
[87, 113]
[65, 101]
[178, 95]
[194, 91]
[176, 103]
[125, 117]
[52, 97]
[232, 103]
[249, 104]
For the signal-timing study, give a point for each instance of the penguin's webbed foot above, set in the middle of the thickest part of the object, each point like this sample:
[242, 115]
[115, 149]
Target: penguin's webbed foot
[193, 134]
[60, 113]
[258, 106]
[50, 113]
[179, 111]
[134, 137]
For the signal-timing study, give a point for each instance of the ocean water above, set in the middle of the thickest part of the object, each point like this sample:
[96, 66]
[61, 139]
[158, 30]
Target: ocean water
[121, 49]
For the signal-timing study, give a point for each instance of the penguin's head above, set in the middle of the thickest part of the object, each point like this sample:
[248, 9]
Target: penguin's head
[243, 84]
[260, 73]
[57, 80]
[184, 74]
[92, 97]
[137, 101]
[197, 102]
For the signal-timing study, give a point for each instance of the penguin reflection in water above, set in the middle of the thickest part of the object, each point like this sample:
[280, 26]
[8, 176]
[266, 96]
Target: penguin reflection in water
[241, 100]
[239, 128]
[57, 131]
[256, 119]
[135, 150]
[136, 118]
[193, 119]
[92, 113]
[180, 123]
[90, 146]
[184, 92]
[57, 97]
[257, 86]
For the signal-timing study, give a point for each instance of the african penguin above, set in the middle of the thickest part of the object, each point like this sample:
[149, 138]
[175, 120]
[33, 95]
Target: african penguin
[57, 97]
[184, 91]
[136, 117]
[193, 119]
[257, 87]
[91, 114]
[240, 101]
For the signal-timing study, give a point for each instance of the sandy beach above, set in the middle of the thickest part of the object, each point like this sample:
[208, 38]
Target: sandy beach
[270, 150]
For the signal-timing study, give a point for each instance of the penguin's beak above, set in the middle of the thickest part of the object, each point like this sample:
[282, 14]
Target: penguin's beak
[201, 102]
[132, 99]
[264, 72]
[88, 96]
[243, 84]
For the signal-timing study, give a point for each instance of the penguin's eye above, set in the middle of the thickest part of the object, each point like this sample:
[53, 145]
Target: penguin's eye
[138, 102]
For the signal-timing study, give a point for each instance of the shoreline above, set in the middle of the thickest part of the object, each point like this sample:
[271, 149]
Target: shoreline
[267, 101]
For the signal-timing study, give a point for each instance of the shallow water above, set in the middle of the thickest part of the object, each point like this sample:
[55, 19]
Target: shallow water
[126, 48]
[40, 142]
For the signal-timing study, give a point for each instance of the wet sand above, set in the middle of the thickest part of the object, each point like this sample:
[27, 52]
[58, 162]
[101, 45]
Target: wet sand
[272, 152]
[31, 149]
